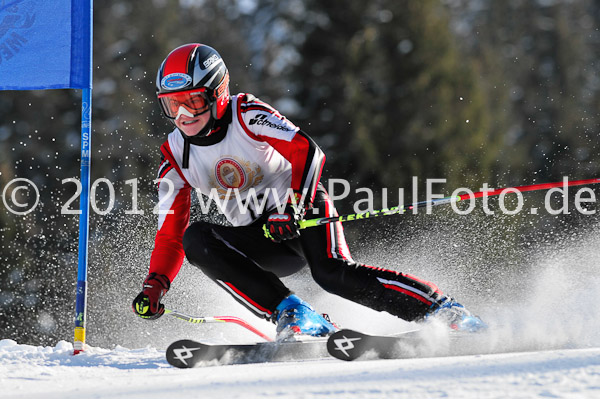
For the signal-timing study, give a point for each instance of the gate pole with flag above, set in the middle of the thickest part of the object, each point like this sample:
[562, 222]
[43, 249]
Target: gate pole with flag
[48, 45]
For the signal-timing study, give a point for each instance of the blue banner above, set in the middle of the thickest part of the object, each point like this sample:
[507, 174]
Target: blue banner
[45, 44]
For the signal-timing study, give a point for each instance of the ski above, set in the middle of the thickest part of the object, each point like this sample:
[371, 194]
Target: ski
[350, 345]
[187, 353]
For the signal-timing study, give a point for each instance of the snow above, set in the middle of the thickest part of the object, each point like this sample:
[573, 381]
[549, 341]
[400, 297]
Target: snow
[53, 372]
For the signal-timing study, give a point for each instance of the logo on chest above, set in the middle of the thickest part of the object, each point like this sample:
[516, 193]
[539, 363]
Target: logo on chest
[230, 174]
[235, 175]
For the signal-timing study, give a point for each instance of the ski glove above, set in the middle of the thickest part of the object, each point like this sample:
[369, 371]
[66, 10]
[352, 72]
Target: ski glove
[283, 226]
[147, 304]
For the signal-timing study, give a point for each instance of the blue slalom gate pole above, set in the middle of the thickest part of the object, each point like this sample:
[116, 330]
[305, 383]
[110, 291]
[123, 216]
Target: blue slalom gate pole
[82, 35]
[84, 219]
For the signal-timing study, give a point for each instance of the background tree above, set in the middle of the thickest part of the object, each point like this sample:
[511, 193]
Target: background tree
[390, 96]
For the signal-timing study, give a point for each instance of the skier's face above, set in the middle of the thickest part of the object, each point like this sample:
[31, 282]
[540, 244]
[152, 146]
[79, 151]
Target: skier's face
[189, 109]
[191, 125]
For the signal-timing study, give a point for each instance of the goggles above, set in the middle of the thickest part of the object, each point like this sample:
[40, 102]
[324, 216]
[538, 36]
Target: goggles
[194, 101]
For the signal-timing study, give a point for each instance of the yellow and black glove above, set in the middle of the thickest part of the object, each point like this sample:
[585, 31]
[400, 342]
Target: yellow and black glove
[147, 304]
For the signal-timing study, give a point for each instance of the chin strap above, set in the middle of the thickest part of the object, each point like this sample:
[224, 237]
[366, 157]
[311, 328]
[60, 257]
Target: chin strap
[187, 141]
[186, 152]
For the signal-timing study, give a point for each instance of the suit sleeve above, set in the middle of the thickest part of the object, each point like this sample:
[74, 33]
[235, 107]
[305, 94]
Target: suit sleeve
[264, 123]
[174, 200]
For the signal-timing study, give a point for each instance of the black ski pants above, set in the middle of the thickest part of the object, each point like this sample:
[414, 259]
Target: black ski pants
[248, 266]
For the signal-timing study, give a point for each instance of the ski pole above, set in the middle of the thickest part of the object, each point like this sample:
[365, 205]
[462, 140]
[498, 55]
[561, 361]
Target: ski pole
[217, 319]
[440, 201]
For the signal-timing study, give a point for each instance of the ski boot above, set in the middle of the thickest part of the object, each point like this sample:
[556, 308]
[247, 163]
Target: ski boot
[296, 317]
[456, 316]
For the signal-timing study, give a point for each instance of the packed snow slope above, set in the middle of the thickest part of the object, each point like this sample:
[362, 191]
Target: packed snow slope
[29, 372]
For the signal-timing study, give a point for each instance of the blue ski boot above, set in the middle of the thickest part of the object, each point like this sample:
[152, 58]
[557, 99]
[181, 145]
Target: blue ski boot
[296, 317]
[456, 316]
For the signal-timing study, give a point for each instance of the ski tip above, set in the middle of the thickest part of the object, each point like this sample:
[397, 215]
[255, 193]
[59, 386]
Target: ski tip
[184, 354]
[347, 344]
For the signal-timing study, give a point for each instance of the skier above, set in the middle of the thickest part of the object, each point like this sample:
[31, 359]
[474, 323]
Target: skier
[236, 147]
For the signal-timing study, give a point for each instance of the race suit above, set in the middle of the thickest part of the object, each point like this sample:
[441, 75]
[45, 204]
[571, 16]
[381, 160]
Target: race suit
[253, 162]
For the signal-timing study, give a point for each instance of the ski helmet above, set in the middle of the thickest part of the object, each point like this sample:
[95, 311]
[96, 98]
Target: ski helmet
[195, 76]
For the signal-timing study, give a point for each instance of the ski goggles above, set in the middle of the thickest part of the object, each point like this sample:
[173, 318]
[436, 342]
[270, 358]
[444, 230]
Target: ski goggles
[194, 101]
